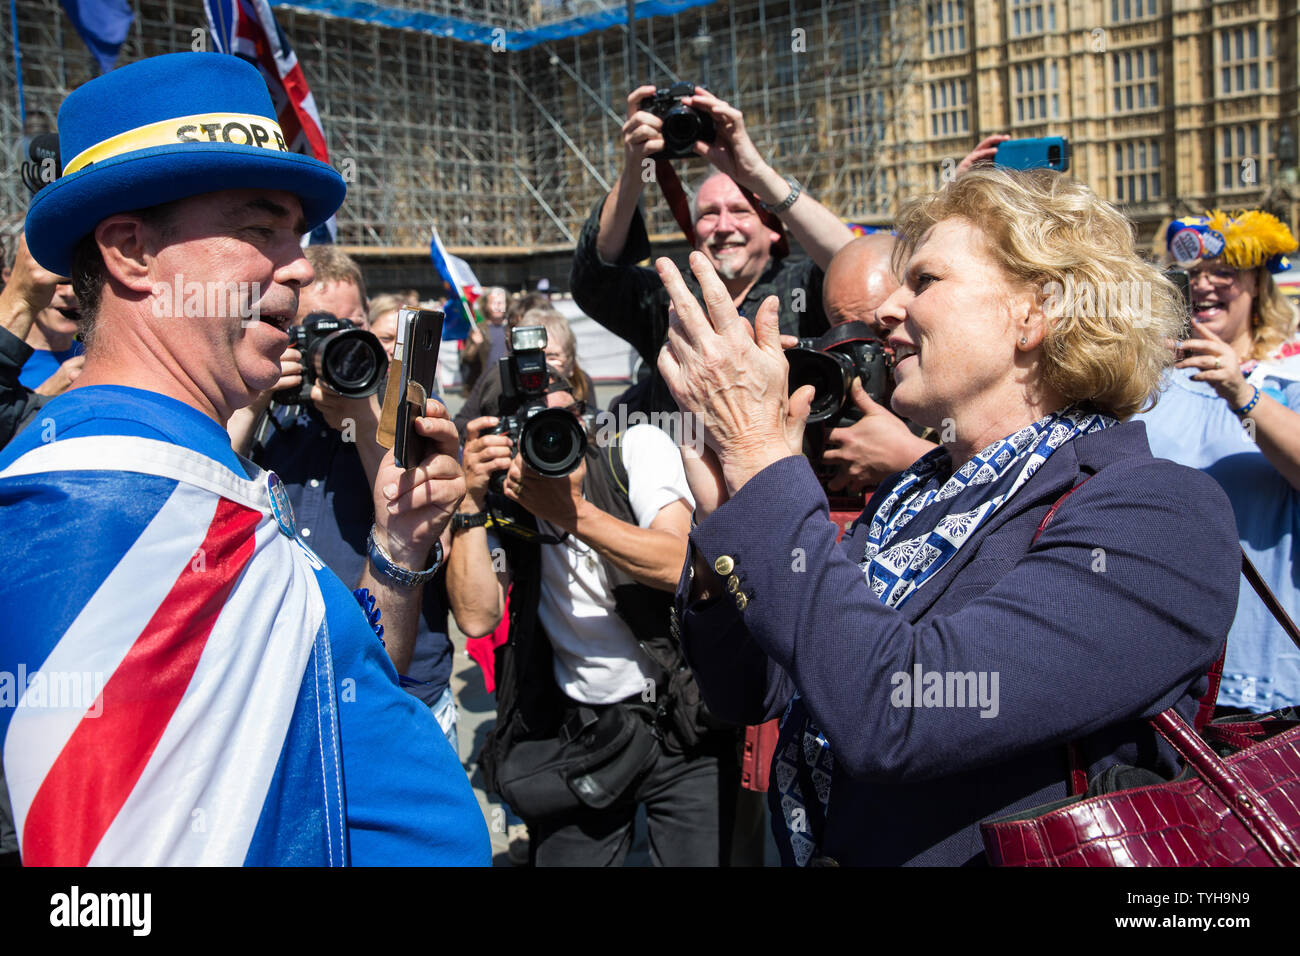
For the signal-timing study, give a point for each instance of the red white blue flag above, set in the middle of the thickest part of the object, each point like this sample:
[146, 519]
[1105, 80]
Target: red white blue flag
[464, 285]
[247, 29]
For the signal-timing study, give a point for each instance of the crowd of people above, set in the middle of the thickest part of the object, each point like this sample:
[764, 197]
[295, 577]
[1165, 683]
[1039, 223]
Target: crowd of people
[259, 598]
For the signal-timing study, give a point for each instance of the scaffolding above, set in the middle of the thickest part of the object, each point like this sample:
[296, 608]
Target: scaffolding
[510, 149]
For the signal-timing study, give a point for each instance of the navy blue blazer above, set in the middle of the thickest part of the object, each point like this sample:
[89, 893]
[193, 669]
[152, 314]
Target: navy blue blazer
[1113, 615]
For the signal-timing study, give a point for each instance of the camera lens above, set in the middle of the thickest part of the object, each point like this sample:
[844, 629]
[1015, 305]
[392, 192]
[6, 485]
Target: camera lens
[681, 126]
[351, 361]
[552, 442]
[828, 373]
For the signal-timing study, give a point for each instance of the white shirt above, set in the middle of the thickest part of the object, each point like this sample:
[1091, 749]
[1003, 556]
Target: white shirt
[597, 657]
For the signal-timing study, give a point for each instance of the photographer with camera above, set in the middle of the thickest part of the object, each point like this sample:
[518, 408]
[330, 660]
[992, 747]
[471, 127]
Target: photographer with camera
[596, 713]
[738, 218]
[561, 354]
[878, 444]
[320, 439]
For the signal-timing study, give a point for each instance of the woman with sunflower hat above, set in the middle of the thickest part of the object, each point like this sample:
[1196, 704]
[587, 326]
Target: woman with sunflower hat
[1231, 407]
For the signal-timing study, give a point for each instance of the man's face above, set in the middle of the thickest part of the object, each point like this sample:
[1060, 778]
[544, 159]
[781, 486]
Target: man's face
[729, 232]
[858, 281]
[61, 315]
[559, 399]
[247, 238]
[341, 299]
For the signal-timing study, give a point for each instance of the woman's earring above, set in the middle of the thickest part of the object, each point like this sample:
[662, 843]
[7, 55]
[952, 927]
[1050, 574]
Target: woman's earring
[1023, 340]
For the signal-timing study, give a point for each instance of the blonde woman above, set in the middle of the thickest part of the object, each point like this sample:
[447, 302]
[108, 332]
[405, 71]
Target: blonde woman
[932, 667]
[1230, 408]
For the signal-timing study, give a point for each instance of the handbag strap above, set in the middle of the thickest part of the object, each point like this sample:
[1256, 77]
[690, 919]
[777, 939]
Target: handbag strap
[1230, 786]
[1270, 599]
[1078, 781]
[1204, 713]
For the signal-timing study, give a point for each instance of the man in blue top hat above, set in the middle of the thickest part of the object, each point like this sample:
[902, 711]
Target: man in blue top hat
[193, 685]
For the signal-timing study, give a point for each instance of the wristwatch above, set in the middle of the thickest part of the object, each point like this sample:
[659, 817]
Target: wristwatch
[404, 577]
[460, 520]
[795, 191]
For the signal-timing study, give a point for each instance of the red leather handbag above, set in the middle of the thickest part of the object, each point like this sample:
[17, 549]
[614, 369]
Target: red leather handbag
[1239, 806]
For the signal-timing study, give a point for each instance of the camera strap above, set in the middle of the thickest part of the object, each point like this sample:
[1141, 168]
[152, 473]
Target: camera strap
[500, 521]
[672, 189]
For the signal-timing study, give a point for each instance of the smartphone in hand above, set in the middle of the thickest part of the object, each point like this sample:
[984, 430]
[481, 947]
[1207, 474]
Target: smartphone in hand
[1047, 152]
[415, 358]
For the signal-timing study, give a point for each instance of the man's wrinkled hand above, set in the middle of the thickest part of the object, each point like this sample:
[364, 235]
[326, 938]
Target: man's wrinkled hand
[414, 505]
[730, 375]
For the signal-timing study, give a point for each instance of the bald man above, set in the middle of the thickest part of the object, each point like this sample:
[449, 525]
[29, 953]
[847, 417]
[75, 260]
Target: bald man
[859, 279]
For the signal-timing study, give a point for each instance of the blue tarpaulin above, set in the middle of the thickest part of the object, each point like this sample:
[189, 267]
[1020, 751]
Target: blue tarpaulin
[485, 33]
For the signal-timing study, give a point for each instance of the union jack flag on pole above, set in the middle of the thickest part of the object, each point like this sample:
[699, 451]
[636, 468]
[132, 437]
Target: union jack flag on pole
[247, 29]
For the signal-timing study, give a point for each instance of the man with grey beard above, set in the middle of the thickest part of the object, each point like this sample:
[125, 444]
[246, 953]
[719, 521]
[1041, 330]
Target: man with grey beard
[741, 236]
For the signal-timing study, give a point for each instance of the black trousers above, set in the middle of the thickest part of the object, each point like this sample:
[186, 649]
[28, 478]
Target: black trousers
[683, 813]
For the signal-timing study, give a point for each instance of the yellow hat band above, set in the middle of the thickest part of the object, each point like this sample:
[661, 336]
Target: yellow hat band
[237, 129]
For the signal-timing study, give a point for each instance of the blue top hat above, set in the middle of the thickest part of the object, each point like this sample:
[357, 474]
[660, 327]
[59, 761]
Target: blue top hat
[163, 129]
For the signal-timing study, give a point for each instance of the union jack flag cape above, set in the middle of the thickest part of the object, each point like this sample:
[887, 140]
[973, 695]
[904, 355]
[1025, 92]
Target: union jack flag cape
[213, 735]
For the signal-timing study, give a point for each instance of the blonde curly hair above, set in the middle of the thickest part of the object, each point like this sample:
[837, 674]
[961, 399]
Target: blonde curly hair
[1272, 317]
[1110, 313]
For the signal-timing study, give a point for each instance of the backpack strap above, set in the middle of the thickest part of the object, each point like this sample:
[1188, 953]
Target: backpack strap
[617, 467]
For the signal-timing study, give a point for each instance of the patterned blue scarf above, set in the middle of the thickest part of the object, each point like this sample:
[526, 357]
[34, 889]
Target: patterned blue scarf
[945, 514]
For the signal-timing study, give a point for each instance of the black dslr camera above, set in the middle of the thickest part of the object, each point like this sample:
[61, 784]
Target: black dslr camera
[830, 364]
[347, 359]
[551, 441]
[684, 125]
